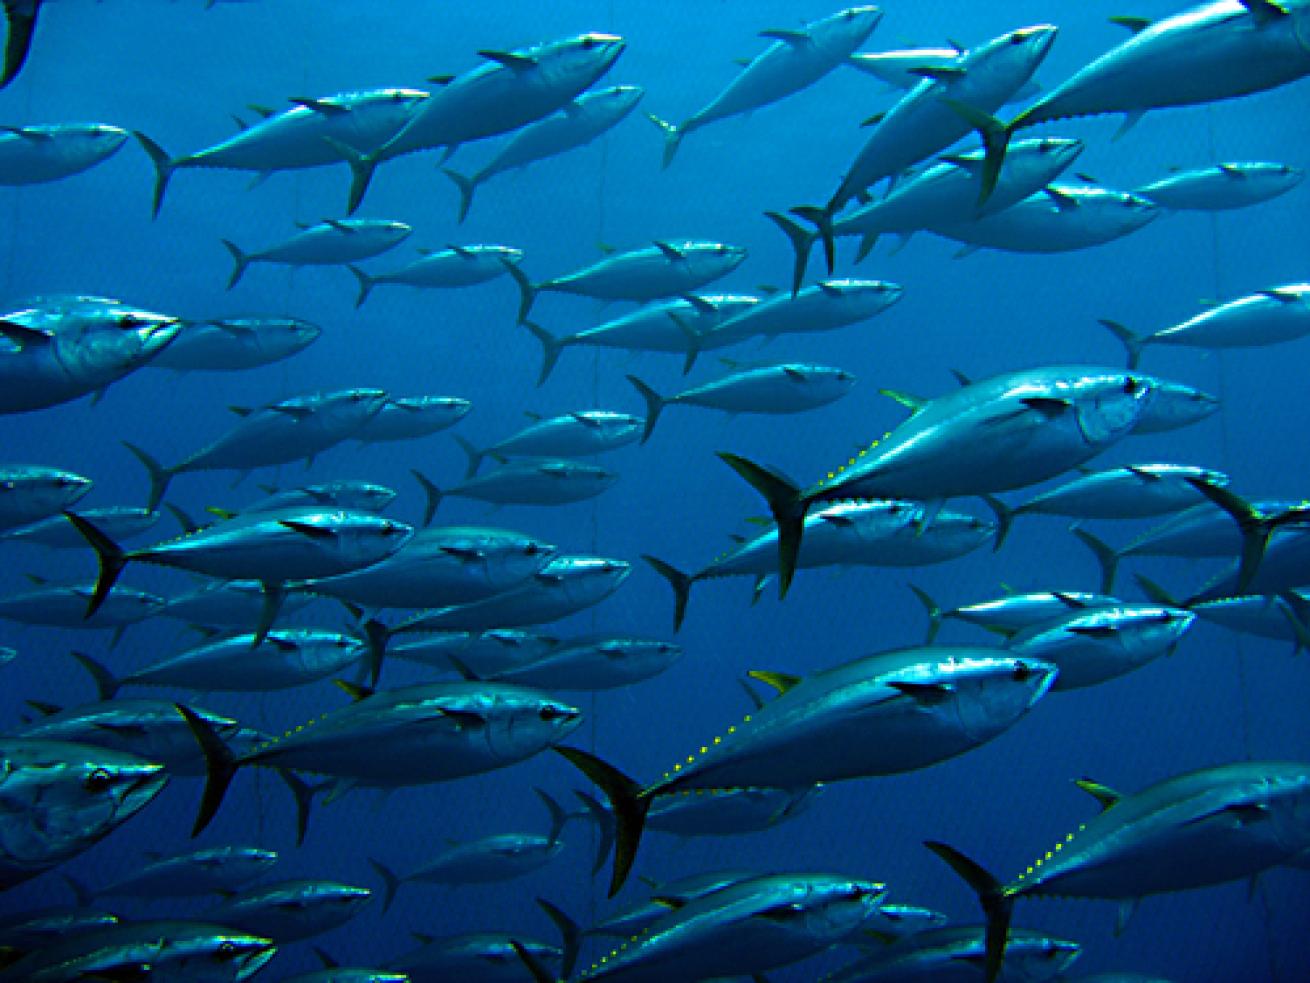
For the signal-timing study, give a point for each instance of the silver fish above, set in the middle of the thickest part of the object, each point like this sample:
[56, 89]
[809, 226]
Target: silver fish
[1220, 187]
[879, 533]
[197, 872]
[664, 269]
[957, 953]
[290, 911]
[680, 325]
[508, 90]
[29, 492]
[579, 434]
[171, 949]
[879, 715]
[824, 306]
[1001, 433]
[1135, 491]
[56, 532]
[59, 798]
[333, 242]
[1196, 829]
[411, 417]
[37, 154]
[454, 266]
[1269, 317]
[594, 663]
[307, 135]
[234, 344]
[798, 58]
[792, 387]
[527, 481]
[51, 356]
[449, 565]
[288, 430]
[564, 586]
[414, 735]
[575, 125]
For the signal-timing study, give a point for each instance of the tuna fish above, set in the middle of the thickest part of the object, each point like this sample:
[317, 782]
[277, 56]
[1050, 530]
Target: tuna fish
[334, 242]
[880, 715]
[235, 344]
[32, 492]
[798, 58]
[575, 125]
[36, 154]
[1220, 187]
[1201, 828]
[454, 266]
[291, 910]
[1268, 317]
[582, 433]
[664, 269]
[789, 388]
[1006, 432]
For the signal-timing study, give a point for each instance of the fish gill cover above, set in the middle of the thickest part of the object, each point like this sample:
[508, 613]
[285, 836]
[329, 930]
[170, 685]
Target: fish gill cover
[304, 107]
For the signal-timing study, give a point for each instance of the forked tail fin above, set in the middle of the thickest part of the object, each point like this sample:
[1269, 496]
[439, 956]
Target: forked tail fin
[679, 581]
[627, 802]
[788, 508]
[997, 906]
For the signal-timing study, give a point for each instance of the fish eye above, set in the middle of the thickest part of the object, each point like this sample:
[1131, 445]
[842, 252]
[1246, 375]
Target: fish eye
[532, 549]
[588, 44]
[129, 321]
[226, 950]
[549, 713]
[98, 780]
[1021, 673]
[1018, 37]
[1131, 385]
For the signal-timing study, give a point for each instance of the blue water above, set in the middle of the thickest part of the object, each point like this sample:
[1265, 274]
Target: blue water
[177, 71]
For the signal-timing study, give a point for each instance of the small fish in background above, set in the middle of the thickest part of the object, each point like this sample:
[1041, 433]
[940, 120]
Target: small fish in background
[236, 344]
[595, 663]
[664, 269]
[1012, 613]
[485, 653]
[334, 242]
[793, 387]
[41, 153]
[291, 911]
[824, 306]
[490, 859]
[679, 326]
[940, 952]
[310, 134]
[564, 586]
[32, 492]
[119, 522]
[798, 58]
[526, 481]
[229, 605]
[283, 659]
[583, 433]
[1222, 187]
[346, 493]
[443, 269]
[577, 124]
[412, 417]
[442, 566]
[508, 90]
[172, 950]
[746, 928]
[65, 606]
[1268, 317]
[476, 954]
[62, 349]
[194, 873]
[61, 798]
[292, 429]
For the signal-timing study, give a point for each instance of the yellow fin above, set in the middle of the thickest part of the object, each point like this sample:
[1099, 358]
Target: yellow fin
[780, 681]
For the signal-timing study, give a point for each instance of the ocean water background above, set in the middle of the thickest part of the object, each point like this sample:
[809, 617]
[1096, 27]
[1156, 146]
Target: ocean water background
[176, 71]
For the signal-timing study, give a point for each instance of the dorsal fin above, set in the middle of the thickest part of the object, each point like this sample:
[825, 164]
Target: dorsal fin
[1101, 793]
[780, 681]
